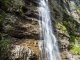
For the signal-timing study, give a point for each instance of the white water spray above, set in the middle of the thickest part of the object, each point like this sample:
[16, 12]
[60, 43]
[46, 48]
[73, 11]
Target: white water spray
[51, 51]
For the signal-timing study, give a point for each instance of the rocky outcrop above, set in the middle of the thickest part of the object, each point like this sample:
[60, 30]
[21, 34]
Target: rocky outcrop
[22, 53]
[21, 24]
[27, 49]
[65, 17]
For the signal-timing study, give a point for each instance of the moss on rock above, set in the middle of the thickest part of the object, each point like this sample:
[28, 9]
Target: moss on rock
[73, 39]
[77, 8]
[62, 29]
[75, 49]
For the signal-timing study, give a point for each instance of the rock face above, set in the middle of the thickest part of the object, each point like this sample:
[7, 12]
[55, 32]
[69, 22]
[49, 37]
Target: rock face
[21, 26]
[28, 49]
[22, 53]
[66, 22]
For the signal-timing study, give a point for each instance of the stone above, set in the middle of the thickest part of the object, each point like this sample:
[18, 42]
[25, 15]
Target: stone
[22, 52]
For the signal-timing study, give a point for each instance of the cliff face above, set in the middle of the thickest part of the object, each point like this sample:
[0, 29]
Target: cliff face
[19, 23]
[20, 28]
[66, 21]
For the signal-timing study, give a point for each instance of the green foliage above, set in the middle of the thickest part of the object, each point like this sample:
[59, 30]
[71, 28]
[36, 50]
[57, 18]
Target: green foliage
[4, 43]
[73, 39]
[2, 18]
[70, 24]
[10, 28]
[2, 15]
[3, 34]
[62, 27]
[77, 8]
[75, 49]
[4, 49]
[6, 2]
[20, 9]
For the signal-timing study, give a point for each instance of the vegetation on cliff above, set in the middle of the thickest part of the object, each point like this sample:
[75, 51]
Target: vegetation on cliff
[77, 8]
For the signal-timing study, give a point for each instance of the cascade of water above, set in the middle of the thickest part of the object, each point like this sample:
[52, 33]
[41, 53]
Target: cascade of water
[50, 43]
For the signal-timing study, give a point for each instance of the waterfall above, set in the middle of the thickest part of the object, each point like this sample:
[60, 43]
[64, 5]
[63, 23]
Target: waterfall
[50, 49]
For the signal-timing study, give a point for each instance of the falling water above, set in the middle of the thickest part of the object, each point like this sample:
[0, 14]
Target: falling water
[50, 50]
